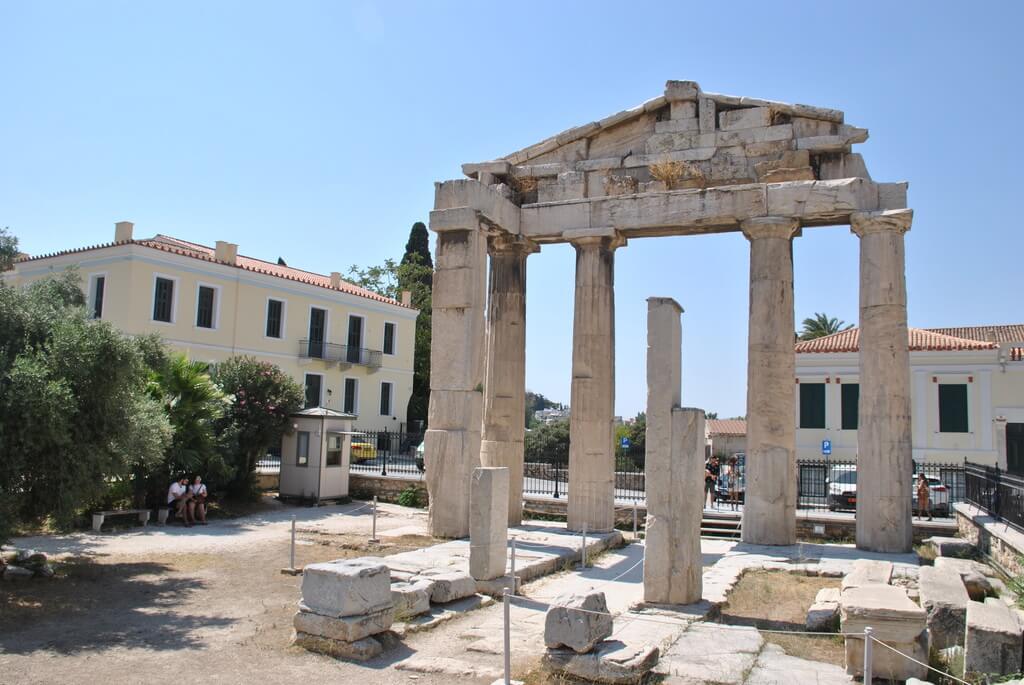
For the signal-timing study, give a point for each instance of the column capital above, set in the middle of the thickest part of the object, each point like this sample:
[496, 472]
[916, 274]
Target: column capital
[862, 223]
[509, 244]
[608, 238]
[781, 227]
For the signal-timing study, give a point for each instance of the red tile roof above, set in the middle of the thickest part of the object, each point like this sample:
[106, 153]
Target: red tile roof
[920, 340]
[1008, 333]
[205, 253]
[727, 427]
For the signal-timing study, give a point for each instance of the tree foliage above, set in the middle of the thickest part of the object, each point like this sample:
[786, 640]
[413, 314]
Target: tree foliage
[821, 325]
[75, 414]
[535, 401]
[262, 398]
[548, 443]
[8, 249]
[636, 431]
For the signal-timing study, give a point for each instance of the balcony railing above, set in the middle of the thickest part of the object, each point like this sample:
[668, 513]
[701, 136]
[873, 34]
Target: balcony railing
[342, 354]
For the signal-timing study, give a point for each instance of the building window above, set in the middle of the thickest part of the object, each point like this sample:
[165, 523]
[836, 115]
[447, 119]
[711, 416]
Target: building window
[812, 405]
[163, 300]
[275, 310]
[302, 448]
[355, 339]
[313, 383]
[389, 338]
[851, 396]
[317, 332]
[98, 286]
[204, 307]
[333, 456]
[351, 404]
[953, 408]
[385, 398]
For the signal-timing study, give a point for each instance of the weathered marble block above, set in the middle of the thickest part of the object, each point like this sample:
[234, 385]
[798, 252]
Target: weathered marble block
[411, 598]
[993, 640]
[488, 523]
[944, 597]
[347, 629]
[895, 620]
[950, 547]
[360, 650]
[351, 587]
[974, 574]
[577, 621]
[448, 586]
[611, 662]
[868, 572]
[822, 615]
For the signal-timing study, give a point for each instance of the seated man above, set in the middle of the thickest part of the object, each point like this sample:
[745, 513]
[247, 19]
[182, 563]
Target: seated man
[180, 500]
[198, 491]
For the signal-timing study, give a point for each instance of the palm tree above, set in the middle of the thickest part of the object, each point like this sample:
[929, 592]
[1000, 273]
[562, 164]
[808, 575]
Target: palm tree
[822, 325]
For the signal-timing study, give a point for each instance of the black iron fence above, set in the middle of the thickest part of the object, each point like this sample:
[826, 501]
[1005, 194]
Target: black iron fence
[550, 478]
[384, 453]
[999, 493]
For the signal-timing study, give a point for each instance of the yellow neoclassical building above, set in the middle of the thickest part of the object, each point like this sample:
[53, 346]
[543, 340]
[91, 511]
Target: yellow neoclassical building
[351, 349]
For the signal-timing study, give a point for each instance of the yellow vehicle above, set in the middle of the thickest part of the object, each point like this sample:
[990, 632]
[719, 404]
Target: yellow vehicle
[363, 451]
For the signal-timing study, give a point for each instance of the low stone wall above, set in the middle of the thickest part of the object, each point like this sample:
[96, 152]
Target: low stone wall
[365, 486]
[556, 508]
[1001, 543]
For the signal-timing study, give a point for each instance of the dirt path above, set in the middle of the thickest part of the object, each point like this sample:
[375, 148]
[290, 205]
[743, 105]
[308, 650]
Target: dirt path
[140, 607]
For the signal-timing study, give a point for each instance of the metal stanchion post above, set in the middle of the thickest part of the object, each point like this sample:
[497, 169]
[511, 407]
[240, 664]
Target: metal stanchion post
[867, 655]
[292, 564]
[373, 536]
[513, 561]
[583, 548]
[508, 640]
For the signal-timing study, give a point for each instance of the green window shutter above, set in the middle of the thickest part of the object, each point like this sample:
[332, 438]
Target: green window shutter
[953, 408]
[851, 396]
[812, 405]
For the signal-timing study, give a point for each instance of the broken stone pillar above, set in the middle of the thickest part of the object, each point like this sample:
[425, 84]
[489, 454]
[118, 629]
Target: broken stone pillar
[591, 430]
[577, 621]
[452, 443]
[769, 511]
[884, 466]
[505, 376]
[674, 463]
[488, 523]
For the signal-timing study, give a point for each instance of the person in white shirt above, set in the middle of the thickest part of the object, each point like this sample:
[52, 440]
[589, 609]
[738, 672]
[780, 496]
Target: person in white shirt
[179, 497]
[198, 492]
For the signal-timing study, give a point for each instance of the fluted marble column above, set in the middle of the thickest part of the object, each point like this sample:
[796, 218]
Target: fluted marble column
[591, 431]
[505, 375]
[884, 441]
[452, 441]
[769, 510]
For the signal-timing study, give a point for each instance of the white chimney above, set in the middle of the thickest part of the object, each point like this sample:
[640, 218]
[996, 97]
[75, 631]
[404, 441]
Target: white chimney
[336, 280]
[406, 298]
[123, 231]
[226, 252]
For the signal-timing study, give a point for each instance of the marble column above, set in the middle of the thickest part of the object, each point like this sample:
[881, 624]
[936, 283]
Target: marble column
[769, 511]
[592, 408]
[452, 441]
[884, 440]
[504, 408]
[674, 465]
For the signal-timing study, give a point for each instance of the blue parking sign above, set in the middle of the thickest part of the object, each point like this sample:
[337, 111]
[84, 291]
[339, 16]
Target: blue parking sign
[624, 442]
[826, 447]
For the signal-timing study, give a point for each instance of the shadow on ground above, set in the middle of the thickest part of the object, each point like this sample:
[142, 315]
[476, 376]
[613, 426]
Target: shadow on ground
[94, 606]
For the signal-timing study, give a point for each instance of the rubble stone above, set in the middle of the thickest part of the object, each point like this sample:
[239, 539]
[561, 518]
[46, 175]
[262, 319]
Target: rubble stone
[577, 621]
[823, 614]
[612, 662]
[944, 597]
[993, 642]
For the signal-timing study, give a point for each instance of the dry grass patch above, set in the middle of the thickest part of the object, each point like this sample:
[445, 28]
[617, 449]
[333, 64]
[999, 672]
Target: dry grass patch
[774, 600]
[677, 174]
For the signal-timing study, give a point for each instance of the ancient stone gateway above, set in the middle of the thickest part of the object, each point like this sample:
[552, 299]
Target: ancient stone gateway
[687, 162]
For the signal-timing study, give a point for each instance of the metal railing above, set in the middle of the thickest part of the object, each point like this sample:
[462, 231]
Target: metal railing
[343, 354]
[269, 464]
[999, 493]
[384, 453]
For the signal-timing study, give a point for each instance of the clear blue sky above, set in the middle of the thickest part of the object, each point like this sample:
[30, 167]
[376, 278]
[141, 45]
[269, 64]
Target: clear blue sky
[315, 131]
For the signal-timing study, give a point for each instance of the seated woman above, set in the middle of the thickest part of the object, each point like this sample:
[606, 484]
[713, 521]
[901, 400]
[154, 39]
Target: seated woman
[198, 492]
[179, 499]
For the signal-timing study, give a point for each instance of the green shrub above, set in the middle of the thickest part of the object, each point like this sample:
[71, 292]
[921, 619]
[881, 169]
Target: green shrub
[410, 497]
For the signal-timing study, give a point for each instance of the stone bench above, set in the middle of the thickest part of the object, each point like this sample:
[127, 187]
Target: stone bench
[100, 516]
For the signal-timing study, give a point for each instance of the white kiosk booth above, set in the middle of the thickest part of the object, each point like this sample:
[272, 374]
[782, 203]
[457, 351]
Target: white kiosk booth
[315, 455]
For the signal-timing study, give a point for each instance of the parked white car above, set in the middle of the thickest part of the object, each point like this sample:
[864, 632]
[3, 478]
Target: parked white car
[842, 492]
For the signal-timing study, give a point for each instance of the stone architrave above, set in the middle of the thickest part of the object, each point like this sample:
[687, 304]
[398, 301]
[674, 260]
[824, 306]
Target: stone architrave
[884, 447]
[452, 443]
[674, 465]
[591, 430]
[488, 523]
[505, 375]
[769, 511]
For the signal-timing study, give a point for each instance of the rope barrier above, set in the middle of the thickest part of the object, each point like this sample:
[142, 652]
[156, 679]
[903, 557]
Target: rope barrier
[919, 663]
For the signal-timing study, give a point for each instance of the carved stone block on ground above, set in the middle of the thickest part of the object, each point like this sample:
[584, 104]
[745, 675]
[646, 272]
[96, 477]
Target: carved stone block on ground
[351, 587]
[612, 662]
[951, 547]
[449, 586]
[895, 619]
[993, 641]
[974, 574]
[577, 621]
[360, 650]
[411, 598]
[944, 597]
[868, 572]
[824, 613]
[347, 629]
